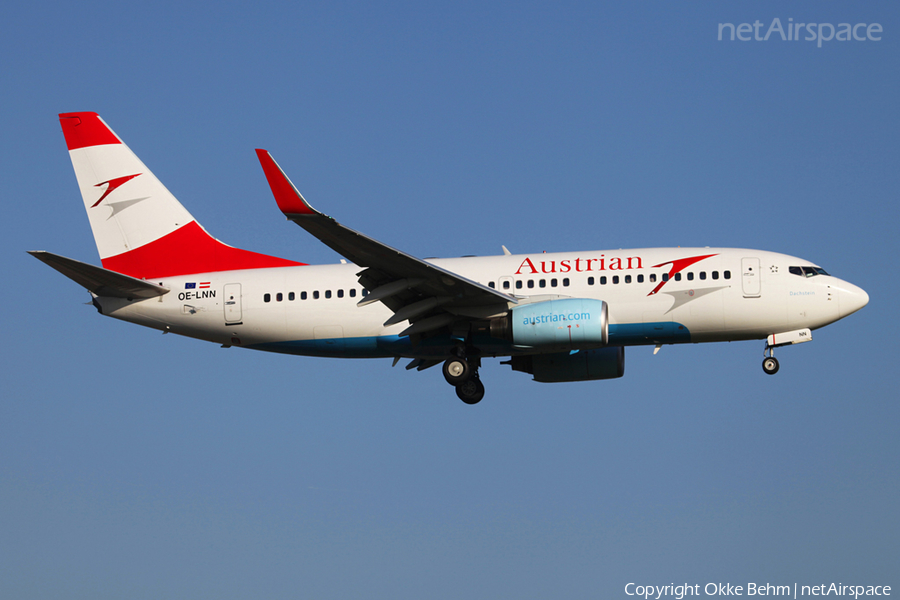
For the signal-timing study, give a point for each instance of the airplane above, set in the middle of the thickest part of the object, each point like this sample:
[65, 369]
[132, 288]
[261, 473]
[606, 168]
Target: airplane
[562, 316]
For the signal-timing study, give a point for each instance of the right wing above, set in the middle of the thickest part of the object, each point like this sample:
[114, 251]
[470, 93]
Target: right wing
[426, 295]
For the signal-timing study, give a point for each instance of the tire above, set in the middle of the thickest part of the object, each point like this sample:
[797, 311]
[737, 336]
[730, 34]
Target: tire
[770, 365]
[471, 391]
[457, 371]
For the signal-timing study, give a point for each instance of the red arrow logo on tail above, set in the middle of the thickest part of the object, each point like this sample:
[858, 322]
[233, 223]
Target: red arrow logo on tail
[113, 184]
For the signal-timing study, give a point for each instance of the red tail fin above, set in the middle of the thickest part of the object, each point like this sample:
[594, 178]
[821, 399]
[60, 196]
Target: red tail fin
[140, 228]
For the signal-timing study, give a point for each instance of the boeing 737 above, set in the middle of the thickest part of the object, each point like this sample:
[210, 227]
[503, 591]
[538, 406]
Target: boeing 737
[564, 316]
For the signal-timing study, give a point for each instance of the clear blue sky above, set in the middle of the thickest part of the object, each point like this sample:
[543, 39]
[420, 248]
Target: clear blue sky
[136, 465]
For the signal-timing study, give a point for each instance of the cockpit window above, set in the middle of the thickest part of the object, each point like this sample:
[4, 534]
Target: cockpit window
[807, 271]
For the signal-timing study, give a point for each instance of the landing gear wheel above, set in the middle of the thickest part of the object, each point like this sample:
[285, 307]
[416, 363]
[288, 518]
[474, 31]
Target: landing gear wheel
[457, 371]
[471, 391]
[770, 365]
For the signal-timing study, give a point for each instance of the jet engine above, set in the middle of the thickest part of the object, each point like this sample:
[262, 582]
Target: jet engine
[583, 365]
[555, 325]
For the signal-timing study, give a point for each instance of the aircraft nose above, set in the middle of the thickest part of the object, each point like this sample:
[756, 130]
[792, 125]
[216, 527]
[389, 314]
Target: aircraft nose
[850, 298]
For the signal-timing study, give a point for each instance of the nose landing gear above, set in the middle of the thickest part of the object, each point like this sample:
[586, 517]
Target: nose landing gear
[776, 340]
[770, 363]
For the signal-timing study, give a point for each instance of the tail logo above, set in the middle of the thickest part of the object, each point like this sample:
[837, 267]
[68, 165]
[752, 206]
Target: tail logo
[112, 184]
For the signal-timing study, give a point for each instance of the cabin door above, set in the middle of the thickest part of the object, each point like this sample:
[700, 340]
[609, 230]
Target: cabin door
[232, 303]
[750, 277]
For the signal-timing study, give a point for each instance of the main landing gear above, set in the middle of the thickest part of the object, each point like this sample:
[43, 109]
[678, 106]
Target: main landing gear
[471, 391]
[462, 373]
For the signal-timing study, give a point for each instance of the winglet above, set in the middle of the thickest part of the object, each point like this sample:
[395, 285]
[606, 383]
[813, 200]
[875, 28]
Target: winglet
[289, 200]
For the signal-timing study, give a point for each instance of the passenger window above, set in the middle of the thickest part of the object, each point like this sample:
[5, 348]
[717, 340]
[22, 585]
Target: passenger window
[665, 276]
[340, 293]
[603, 280]
[640, 279]
[715, 274]
[702, 275]
[279, 297]
[542, 283]
[267, 297]
[291, 296]
[566, 282]
[590, 281]
[365, 292]
[353, 292]
[615, 279]
[491, 284]
[677, 276]
[328, 293]
[316, 295]
[690, 276]
[628, 279]
[303, 295]
[530, 283]
[652, 277]
[552, 283]
[506, 285]
[727, 274]
[518, 284]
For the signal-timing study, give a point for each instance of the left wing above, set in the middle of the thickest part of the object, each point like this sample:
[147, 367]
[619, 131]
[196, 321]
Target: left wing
[427, 295]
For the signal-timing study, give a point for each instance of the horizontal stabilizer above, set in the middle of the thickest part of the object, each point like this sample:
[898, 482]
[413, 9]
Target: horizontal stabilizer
[101, 282]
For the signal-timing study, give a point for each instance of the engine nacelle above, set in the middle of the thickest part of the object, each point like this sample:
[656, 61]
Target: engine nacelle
[583, 365]
[555, 325]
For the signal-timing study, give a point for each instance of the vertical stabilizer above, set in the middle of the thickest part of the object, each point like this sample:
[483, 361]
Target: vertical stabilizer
[140, 228]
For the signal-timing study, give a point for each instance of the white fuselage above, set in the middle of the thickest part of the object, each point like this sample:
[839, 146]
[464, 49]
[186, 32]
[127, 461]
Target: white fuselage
[560, 317]
[726, 294]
